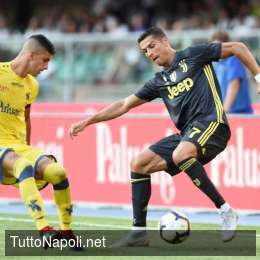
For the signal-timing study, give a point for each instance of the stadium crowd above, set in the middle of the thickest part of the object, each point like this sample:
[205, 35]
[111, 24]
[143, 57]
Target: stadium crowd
[114, 65]
[121, 17]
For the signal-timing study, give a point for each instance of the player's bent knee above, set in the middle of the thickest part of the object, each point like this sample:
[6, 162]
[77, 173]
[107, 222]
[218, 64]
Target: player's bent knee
[55, 174]
[137, 166]
[178, 157]
[184, 151]
[23, 169]
[61, 185]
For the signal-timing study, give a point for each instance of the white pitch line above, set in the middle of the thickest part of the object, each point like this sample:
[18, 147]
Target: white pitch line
[74, 223]
[79, 223]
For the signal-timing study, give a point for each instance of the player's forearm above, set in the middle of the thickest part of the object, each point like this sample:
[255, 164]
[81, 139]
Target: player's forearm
[28, 132]
[112, 111]
[243, 53]
[27, 118]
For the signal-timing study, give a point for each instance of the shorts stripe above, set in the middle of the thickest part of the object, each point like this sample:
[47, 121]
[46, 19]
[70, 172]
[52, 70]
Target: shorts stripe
[205, 132]
[208, 132]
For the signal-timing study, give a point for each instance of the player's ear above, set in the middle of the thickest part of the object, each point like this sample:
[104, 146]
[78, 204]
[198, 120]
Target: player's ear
[165, 40]
[30, 55]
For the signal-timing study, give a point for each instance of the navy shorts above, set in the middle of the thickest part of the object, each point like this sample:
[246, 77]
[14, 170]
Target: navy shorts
[210, 138]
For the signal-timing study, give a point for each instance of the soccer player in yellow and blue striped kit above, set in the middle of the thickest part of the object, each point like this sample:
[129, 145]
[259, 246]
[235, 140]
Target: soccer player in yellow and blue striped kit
[21, 164]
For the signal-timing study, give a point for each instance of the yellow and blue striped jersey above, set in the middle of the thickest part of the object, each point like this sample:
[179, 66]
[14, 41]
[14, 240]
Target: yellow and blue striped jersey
[15, 94]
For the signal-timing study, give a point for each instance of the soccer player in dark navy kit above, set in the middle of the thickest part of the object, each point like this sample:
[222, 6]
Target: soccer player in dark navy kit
[190, 91]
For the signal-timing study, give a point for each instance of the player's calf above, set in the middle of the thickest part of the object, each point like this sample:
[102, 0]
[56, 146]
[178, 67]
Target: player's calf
[141, 193]
[200, 179]
[56, 175]
[30, 195]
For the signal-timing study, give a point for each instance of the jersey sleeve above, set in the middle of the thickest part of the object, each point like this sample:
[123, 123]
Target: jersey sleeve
[235, 70]
[205, 53]
[34, 91]
[148, 92]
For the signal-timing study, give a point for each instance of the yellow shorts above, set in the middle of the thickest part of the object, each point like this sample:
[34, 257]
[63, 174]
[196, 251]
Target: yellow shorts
[27, 151]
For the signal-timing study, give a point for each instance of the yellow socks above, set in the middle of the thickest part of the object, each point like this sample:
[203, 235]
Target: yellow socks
[29, 192]
[55, 174]
[63, 202]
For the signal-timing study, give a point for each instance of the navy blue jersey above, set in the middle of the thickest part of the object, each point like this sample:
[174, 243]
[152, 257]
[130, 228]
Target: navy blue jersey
[189, 87]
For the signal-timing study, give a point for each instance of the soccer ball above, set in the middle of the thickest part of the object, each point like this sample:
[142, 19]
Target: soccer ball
[174, 227]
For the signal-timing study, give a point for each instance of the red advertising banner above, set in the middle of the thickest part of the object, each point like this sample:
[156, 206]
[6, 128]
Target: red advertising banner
[256, 108]
[97, 161]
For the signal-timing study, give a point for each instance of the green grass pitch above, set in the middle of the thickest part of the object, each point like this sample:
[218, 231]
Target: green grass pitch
[21, 222]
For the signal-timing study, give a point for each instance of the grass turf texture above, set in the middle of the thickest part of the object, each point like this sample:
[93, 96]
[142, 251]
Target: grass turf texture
[22, 222]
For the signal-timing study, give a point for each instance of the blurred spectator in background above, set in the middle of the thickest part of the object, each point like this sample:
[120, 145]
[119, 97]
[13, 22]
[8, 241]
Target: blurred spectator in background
[233, 80]
[133, 16]
[137, 22]
[3, 25]
[33, 26]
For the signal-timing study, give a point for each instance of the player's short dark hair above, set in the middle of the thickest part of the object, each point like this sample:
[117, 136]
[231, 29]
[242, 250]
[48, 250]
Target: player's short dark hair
[154, 31]
[44, 42]
[220, 36]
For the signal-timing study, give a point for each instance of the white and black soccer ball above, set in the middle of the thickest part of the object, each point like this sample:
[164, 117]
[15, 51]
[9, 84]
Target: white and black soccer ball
[174, 227]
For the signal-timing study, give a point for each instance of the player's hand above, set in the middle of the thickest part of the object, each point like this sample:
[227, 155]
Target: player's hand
[77, 127]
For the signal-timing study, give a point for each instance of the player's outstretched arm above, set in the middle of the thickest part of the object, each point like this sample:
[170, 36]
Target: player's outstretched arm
[240, 50]
[112, 111]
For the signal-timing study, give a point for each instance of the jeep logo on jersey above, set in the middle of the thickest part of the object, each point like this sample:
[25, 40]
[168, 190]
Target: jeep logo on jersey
[176, 90]
[183, 65]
